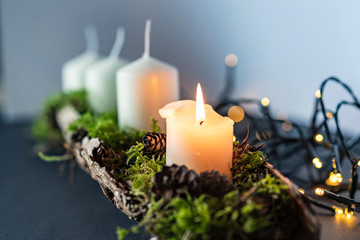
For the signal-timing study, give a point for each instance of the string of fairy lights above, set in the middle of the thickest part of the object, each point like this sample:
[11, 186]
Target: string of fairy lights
[293, 147]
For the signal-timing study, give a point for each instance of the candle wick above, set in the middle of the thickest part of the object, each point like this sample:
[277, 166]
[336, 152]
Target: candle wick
[147, 38]
[119, 42]
[91, 38]
[202, 122]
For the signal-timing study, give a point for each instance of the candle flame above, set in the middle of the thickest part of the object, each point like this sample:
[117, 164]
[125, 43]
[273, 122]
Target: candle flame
[200, 107]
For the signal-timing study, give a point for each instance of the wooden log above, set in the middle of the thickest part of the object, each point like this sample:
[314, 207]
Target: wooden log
[133, 206]
[309, 224]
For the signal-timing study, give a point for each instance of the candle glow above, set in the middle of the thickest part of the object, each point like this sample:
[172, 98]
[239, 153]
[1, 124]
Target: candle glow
[200, 147]
[200, 107]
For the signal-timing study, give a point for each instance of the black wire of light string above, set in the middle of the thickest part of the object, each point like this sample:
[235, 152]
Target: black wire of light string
[314, 128]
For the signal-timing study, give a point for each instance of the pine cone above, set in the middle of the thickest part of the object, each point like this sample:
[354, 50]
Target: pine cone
[106, 157]
[215, 184]
[173, 182]
[154, 144]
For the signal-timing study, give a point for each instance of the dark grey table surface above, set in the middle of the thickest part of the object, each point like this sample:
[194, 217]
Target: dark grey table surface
[36, 203]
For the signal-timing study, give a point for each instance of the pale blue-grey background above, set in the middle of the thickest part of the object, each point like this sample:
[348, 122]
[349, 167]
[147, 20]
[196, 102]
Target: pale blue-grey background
[285, 48]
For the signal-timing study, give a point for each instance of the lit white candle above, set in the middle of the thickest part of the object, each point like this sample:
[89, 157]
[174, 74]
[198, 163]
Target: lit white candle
[197, 136]
[73, 70]
[143, 87]
[100, 78]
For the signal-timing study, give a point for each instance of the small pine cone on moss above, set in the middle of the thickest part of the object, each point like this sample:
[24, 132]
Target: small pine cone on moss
[215, 184]
[173, 182]
[154, 144]
[107, 157]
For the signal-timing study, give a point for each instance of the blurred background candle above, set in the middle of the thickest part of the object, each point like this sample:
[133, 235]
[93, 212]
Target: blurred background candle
[143, 87]
[73, 70]
[197, 136]
[100, 78]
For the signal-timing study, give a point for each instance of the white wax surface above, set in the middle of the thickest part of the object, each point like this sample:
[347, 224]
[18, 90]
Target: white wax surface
[143, 87]
[199, 147]
[100, 83]
[73, 70]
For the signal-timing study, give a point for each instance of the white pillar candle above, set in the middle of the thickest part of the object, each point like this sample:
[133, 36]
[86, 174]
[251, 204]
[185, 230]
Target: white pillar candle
[143, 87]
[73, 70]
[100, 78]
[197, 136]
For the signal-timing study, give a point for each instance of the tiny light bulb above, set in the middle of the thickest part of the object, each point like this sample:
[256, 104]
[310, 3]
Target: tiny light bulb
[265, 101]
[358, 162]
[302, 191]
[348, 215]
[333, 178]
[319, 138]
[329, 114]
[234, 138]
[339, 211]
[339, 177]
[318, 165]
[318, 93]
[319, 191]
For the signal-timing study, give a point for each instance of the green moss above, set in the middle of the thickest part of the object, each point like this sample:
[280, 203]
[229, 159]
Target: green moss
[248, 168]
[257, 204]
[154, 125]
[252, 221]
[141, 168]
[205, 217]
[271, 185]
[44, 131]
[45, 128]
[105, 127]
[47, 158]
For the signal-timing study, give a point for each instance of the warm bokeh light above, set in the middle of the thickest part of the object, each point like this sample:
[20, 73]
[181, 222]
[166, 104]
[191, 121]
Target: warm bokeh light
[281, 115]
[231, 60]
[339, 211]
[236, 113]
[302, 191]
[329, 114]
[359, 162]
[319, 138]
[319, 191]
[348, 213]
[345, 218]
[334, 179]
[318, 93]
[265, 101]
[317, 163]
[234, 138]
[200, 107]
[339, 177]
[286, 126]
